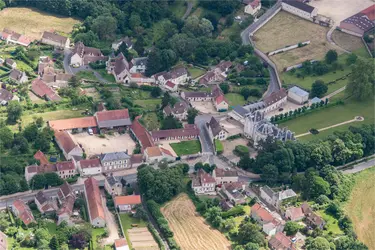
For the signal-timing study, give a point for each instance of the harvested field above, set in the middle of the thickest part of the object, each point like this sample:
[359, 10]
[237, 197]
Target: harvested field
[141, 238]
[347, 41]
[190, 230]
[286, 29]
[32, 22]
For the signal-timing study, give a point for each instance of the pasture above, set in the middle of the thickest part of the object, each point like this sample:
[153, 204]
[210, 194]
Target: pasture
[32, 22]
[360, 207]
[190, 230]
[286, 29]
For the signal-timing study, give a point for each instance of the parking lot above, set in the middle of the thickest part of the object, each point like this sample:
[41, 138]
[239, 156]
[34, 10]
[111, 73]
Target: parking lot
[94, 145]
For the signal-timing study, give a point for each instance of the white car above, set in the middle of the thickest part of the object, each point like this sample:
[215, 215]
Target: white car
[90, 131]
[237, 18]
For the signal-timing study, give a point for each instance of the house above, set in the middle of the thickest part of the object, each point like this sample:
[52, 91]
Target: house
[10, 36]
[359, 23]
[141, 135]
[74, 124]
[224, 176]
[140, 79]
[66, 210]
[3, 241]
[234, 192]
[252, 7]
[298, 95]
[113, 119]
[203, 183]
[294, 213]
[65, 190]
[136, 160]
[55, 40]
[216, 96]
[239, 113]
[10, 63]
[312, 219]
[18, 76]
[169, 85]
[114, 161]
[276, 198]
[121, 244]
[216, 131]
[70, 149]
[273, 227]
[119, 67]
[189, 132]
[44, 204]
[260, 214]
[179, 110]
[221, 103]
[94, 203]
[66, 169]
[125, 204]
[156, 154]
[22, 211]
[178, 75]
[112, 185]
[83, 55]
[281, 242]
[275, 100]
[41, 89]
[32, 170]
[138, 65]
[299, 8]
[47, 73]
[216, 75]
[88, 167]
[116, 45]
[5, 96]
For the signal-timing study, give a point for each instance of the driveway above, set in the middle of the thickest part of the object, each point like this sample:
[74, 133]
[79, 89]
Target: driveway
[200, 121]
[111, 224]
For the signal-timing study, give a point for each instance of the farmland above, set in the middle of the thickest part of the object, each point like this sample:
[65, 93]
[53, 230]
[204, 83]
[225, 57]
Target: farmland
[32, 22]
[360, 207]
[286, 29]
[190, 231]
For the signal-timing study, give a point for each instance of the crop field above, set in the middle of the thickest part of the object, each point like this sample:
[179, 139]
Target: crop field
[190, 230]
[361, 206]
[286, 29]
[32, 22]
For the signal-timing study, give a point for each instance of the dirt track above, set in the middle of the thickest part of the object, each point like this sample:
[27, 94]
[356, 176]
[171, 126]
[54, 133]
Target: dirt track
[190, 231]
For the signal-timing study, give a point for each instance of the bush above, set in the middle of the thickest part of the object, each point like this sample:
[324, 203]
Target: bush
[314, 131]
[322, 199]
[236, 211]
[241, 150]
[233, 137]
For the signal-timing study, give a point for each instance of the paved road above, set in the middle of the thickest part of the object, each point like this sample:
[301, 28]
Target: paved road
[360, 167]
[207, 146]
[188, 9]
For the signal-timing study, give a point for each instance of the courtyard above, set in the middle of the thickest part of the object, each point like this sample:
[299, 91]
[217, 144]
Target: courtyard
[229, 146]
[204, 107]
[95, 145]
[233, 127]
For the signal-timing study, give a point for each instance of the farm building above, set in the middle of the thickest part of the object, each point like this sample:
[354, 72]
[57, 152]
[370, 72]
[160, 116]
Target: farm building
[359, 23]
[298, 95]
[55, 40]
[189, 132]
[300, 9]
[125, 204]
[41, 89]
[94, 203]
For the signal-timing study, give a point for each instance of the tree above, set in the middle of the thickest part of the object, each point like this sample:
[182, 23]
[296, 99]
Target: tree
[361, 81]
[38, 181]
[270, 174]
[30, 132]
[331, 56]
[201, 56]
[318, 89]
[39, 122]
[14, 111]
[53, 179]
[54, 244]
[139, 45]
[156, 92]
[318, 243]
[6, 137]
[166, 99]
[245, 92]
[224, 87]
[170, 122]
[246, 162]
[105, 27]
[351, 59]
[291, 228]
[89, 38]
[78, 241]
[250, 232]
[2, 4]
[191, 114]
[42, 238]
[123, 48]
[74, 82]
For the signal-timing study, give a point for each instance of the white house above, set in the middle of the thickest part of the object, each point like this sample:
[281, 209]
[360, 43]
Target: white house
[115, 161]
[179, 110]
[298, 95]
[221, 103]
[177, 75]
[66, 169]
[299, 8]
[13, 37]
[119, 67]
[171, 86]
[11, 63]
[83, 55]
[156, 154]
[216, 131]
[275, 100]
[203, 183]
[252, 7]
[121, 244]
[224, 176]
[126, 40]
[112, 185]
[88, 167]
[138, 65]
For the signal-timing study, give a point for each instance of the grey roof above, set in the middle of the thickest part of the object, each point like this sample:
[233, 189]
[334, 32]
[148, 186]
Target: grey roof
[241, 110]
[5, 95]
[115, 123]
[114, 156]
[285, 194]
[255, 106]
[178, 108]
[40, 197]
[268, 191]
[111, 180]
[15, 74]
[140, 61]
[215, 126]
[298, 91]
[316, 100]
[300, 5]
[197, 94]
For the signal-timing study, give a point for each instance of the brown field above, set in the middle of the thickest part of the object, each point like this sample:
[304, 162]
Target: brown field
[347, 41]
[190, 230]
[286, 29]
[32, 22]
[361, 207]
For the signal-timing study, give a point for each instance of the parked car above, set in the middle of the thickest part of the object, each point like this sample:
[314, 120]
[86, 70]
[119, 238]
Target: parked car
[90, 131]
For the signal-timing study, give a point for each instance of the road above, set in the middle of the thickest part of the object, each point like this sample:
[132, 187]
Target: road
[360, 167]
[188, 9]
[207, 146]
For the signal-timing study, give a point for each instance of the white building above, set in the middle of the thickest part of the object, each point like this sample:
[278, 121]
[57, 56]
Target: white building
[275, 100]
[224, 176]
[300, 9]
[138, 65]
[177, 75]
[83, 55]
[203, 183]
[276, 198]
[55, 40]
[88, 167]
[119, 67]
[252, 7]
[156, 154]
[216, 131]
[298, 95]
[115, 161]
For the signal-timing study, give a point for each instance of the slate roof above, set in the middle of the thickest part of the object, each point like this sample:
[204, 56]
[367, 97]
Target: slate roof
[178, 108]
[300, 5]
[298, 91]
[139, 61]
[115, 156]
[315, 100]
[120, 64]
[214, 125]
[9, 61]
[90, 163]
[286, 194]
[67, 206]
[183, 132]
[175, 73]
[65, 190]
[113, 118]
[111, 180]
[15, 74]
[94, 203]
[41, 198]
[241, 110]
[275, 97]
[5, 95]
[268, 191]
[363, 20]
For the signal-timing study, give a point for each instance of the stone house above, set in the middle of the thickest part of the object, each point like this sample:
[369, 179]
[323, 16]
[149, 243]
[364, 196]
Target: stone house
[22, 211]
[179, 110]
[113, 119]
[55, 40]
[70, 149]
[276, 198]
[169, 85]
[83, 55]
[216, 96]
[120, 68]
[177, 75]
[156, 154]
[138, 65]
[66, 169]
[203, 183]
[275, 100]
[88, 167]
[224, 176]
[234, 192]
[112, 185]
[18, 76]
[281, 242]
[114, 161]
[44, 204]
[216, 75]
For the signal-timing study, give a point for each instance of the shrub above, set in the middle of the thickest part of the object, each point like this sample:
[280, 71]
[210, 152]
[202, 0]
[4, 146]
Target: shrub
[236, 211]
[314, 131]
[241, 150]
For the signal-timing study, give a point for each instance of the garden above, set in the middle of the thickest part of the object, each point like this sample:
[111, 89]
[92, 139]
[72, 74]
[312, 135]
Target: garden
[186, 147]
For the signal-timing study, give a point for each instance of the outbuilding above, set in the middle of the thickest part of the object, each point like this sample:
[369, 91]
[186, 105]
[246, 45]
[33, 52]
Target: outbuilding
[298, 95]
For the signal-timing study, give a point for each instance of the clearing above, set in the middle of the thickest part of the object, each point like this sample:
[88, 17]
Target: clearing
[191, 231]
[332, 223]
[186, 147]
[32, 22]
[361, 206]
[287, 29]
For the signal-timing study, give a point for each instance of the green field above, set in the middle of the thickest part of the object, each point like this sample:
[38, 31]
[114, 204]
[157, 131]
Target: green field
[195, 72]
[148, 103]
[150, 121]
[235, 99]
[88, 75]
[186, 147]
[332, 223]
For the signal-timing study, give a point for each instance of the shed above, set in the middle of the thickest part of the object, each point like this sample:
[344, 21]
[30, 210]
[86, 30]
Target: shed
[298, 95]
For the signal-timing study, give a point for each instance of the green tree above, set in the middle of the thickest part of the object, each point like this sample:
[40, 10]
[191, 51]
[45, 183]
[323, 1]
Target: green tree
[54, 244]
[270, 174]
[53, 179]
[250, 232]
[2, 4]
[156, 92]
[105, 27]
[6, 137]
[191, 114]
[139, 45]
[224, 87]
[166, 100]
[318, 243]
[14, 111]
[123, 48]
[42, 238]
[321, 154]
[89, 38]
[361, 81]
[351, 59]
[38, 181]
[245, 92]
[331, 56]
[30, 132]
[318, 89]
[291, 228]
[170, 122]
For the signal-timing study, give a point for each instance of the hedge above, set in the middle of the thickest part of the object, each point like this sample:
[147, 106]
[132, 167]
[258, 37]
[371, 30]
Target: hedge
[241, 150]
[156, 236]
[236, 211]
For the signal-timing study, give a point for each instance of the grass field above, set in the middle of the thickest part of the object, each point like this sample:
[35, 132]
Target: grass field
[286, 29]
[219, 146]
[106, 76]
[332, 223]
[235, 99]
[32, 22]
[148, 103]
[178, 8]
[361, 206]
[150, 120]
[88, 75]
[186, 147]
[190, 231]
[332, 115]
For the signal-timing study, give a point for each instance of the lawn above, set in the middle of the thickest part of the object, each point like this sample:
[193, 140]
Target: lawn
[148, 103]
[333, 115]
[332, 223]
[235, 99]
[186, 147]
[219, 146]
[33, 22]
[96, 232]
[88, 75]
[287, 29]
[150, 121]
[360, 206]
[127, 221]
[195, 72]
[106, 76]
[135, 94]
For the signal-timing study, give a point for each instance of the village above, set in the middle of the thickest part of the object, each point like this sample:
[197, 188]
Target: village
[138, 145]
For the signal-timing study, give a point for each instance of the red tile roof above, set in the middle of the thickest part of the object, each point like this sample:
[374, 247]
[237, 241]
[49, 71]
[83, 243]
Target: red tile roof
[121, 242]
[40, 156]
[294, 213]
[41, 89]
[261, 213]
[153, 151]
[24, 212]
[128, 200]
[67, 124]
[255, 3]
[281, 242]
[221, 99]
[142, 134]
[94, 202]
[65, 166]
[205, 177]
[90, 163]
[170, 84]
[64, 139]
[112, 115]
[67, 206]
[165, 151]
[370, 12]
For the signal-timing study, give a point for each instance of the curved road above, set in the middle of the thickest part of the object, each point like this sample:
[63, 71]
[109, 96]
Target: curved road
[188, 9]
